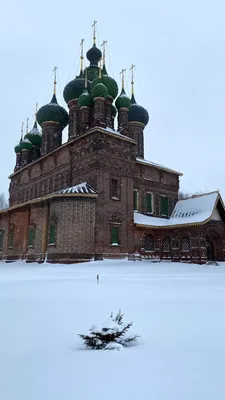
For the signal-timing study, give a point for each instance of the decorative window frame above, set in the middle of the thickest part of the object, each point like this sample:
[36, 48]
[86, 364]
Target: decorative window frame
[116, 198]
[164, 215]
[31, 226]
[117, 226]
[53, 221]
[11, 229]
[153, 242]
[153, 203]
[187, 239]
[136, 209]
[168, 240]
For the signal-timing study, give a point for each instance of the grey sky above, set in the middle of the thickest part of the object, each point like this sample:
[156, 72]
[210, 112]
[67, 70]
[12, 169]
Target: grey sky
[177, 46]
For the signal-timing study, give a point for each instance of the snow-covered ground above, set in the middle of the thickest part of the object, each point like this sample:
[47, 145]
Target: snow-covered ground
[178, 310]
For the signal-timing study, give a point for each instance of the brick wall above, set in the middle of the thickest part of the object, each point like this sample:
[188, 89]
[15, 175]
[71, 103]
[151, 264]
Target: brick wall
[75, 229]
[4, 225]
[37, 221]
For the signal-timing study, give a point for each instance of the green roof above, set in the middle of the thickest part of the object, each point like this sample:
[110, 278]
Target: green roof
[99, 90]
[52, 112]
[109, 82]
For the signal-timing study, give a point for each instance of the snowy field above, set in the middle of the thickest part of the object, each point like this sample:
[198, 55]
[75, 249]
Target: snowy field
[178, 309]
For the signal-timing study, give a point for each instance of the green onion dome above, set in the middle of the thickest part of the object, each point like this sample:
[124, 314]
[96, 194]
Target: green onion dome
[17, 148]
[137, 113]
[92, 72]
[34, 135]
[109, 82]
[26, 145]
[74, 88]
[94, 55]
[104, 70]
[52, 112]
[85, 99]
[123, 100]
[99, 90]
[114, 111]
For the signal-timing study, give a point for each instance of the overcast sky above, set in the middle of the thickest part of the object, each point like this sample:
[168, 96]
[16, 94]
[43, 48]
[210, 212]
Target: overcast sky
[178, 47]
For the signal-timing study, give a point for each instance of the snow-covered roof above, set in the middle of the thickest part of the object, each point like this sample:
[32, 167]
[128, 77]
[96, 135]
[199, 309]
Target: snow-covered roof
[117, 133]
[143, 161]
[194, 210]
[82, 188]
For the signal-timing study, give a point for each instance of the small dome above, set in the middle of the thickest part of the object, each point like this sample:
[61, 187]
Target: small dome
[109, 82]
[94, 55]
[34, 135]
[92, 72]
[52, 112]
[85, 99]
[26, 145]
[17, 148]
[137, 113]
[123, 100]
[99, 90]
[114, 111]
[74, 88]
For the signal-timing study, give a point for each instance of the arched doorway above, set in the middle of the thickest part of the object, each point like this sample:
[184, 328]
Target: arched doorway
[213, 245]
[210, 250]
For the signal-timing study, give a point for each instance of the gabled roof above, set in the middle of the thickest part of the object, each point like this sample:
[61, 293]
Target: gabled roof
[192, 211]
[146, 162]
[83, 187]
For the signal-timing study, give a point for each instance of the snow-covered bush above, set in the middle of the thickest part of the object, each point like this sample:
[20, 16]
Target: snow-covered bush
[111, 335]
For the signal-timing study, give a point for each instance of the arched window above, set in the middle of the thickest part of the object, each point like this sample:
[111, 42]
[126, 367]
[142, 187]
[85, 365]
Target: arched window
[149, 243]
[185, 244]
[52, 230]
[166, 245]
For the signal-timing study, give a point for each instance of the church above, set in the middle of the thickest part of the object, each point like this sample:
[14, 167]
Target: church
[96, 196]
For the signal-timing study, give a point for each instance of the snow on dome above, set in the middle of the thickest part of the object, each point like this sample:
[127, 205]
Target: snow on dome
[82, 188]
[193, 210]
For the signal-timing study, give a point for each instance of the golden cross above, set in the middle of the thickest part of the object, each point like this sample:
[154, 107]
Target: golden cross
[54, 70]
[103, 46]
[22, 125]
[132, 78]
[94, 32]
[27, 125]
[100, 68]
[85, 78]
[122, 74]
[82, 47]
[82, 55]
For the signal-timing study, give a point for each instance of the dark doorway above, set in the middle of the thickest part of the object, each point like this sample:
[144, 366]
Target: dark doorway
[210, 251]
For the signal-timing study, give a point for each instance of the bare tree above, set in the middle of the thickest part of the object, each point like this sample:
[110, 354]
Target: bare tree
[184, 196]
[3, 201]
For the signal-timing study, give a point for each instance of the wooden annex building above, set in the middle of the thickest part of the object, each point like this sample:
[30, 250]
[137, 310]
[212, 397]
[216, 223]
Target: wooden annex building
[96, 196]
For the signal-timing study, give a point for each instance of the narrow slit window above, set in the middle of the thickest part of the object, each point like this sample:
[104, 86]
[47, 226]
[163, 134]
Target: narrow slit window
[115, 236]
[52, 234]
[164, 206]
[149, 207]
[31, 235]
[135, 200]
[11, 238]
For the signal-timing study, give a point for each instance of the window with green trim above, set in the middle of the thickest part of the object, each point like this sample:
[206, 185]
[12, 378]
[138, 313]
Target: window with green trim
[164, 206]
[11, 238]
[1, 239]
[31, 236]
[149, 205]
[52, 234]
[114, 236]
[135, 195]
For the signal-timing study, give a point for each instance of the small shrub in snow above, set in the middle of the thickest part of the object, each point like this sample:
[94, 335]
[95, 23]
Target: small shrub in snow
[111, 335]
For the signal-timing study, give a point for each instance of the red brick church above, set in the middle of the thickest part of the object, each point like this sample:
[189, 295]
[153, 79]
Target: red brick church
[96, 196]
